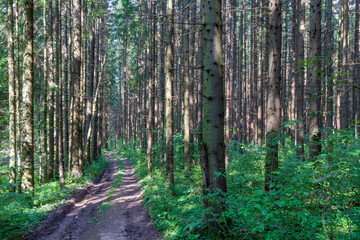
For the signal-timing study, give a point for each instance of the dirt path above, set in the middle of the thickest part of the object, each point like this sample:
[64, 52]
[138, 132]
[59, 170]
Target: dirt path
[125, 219]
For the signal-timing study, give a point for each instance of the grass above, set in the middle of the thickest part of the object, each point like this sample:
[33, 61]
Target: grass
[21, 212]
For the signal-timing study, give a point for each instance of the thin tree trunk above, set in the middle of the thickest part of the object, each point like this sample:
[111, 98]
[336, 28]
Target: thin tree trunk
[45, 115]
[315, 79]
[59, 110]
[186, 153]
[227, 82]
[357, 66]
[12, 93]
[149, 122]
[18, 93]
[343, 103]
[51, 88]
[169, 78]
[299, 76]
[66, 72]
[260, 95]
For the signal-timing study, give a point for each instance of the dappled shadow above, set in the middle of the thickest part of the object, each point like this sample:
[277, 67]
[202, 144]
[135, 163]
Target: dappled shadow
[126, 217]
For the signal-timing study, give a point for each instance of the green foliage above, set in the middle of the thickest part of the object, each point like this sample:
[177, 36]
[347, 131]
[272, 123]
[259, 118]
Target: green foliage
[313, 199]
[179, 215]
[20, 212]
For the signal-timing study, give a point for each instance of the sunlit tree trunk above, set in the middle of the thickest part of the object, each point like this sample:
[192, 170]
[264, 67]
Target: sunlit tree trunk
[18, 93]
[28, 98]
[149, 122]
[45, 91]
[12, 93]
[186, 80]
[169, 78]
[75, 146]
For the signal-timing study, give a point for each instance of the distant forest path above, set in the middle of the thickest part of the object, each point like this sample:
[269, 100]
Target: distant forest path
[79, 218]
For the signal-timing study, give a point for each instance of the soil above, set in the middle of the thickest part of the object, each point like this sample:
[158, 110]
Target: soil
[79, 218]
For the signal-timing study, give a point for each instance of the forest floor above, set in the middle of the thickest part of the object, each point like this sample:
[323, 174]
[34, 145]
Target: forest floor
[79, 218]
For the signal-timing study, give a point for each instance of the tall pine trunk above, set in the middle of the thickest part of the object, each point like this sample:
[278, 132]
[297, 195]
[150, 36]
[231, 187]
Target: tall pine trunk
[28, 98]
[12, 98]
[169, 78]
[75, 146]
[273, 94]
[315, 79]
[213, 146]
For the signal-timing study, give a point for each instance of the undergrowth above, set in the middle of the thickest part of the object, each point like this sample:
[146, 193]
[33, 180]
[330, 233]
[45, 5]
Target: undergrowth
[313, 199]
[20, 212]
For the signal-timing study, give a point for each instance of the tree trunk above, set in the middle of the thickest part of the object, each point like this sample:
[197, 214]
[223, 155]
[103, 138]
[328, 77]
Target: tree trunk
[51, 88]
[28, 98]
[213, 148]
[299, 76]
[273, 94]
[45, 114]
[169, 78]
[186, 153]
[12, 99]
[18, 93]
[343, 103]
[260, 95]
[315, 79]
[59, 110]
[149, 122]
[66, 72]
[75, 146]
[357, 66]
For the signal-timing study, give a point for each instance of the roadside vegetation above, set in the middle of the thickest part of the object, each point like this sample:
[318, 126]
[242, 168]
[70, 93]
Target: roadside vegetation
[313, 199]
[20, 212]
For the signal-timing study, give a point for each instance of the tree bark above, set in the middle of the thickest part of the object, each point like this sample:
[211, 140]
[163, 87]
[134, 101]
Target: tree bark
[357, 66]
[213, 146]
[28, 98]
[169, 78]
[51, 88]
[149, 122]
[273, 94]
[343, 103]
[75, 146]
[186, 153]
[45, 114]
[315, 79]
[12, 98]
[299, 76]
[59, 108]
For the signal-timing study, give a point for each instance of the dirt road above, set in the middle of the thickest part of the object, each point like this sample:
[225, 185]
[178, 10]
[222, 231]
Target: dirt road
[125, 219]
